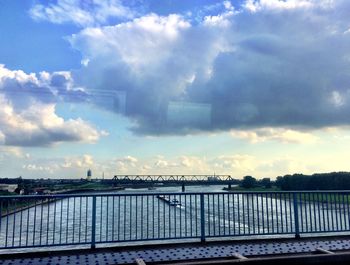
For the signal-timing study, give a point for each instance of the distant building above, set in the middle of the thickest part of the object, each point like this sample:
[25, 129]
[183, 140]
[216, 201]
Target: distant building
[88, 175]
[8, 187]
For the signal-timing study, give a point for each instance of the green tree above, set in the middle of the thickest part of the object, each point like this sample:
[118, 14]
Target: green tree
[248, 182]
[266, 183]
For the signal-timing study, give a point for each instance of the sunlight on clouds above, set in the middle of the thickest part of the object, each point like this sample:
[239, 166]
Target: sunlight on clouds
[13, 151]
[128, 160]
[282, 135]
[223, 19]
[124, 164]
[287, 165]
[139, 43]
[18, 75]
[31, 119]
[85, 161]
[192, 162]
[257, 5]
[39, 125]
[69, 166]
[234, 163]
[2, 138]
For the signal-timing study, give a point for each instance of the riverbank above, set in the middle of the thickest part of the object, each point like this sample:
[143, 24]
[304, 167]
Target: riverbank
[254, 189]
[86, 190]
[319, 196]
[17, 205]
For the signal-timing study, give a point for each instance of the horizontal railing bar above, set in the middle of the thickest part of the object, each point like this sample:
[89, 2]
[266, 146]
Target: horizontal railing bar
[148, 239]
[165, 193]
[252, 234]
[45, 246]
[172, 238]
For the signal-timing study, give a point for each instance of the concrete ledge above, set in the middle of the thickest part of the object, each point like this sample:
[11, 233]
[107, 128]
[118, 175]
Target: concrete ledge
[309, 250]
[48, 251]
[340, 258]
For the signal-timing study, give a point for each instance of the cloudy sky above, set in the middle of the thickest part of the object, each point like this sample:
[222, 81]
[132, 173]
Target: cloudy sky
[240, 87]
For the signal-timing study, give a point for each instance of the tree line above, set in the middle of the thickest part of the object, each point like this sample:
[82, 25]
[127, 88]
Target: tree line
[320, 181]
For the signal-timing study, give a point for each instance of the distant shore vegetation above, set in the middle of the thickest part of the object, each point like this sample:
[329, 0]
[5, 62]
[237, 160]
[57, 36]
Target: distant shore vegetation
[318, 181]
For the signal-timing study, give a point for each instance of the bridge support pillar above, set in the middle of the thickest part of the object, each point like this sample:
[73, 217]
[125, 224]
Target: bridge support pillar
[183, 187]
[229, 186]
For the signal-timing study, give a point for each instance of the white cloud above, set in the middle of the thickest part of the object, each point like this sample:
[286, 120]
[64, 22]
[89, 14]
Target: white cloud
[275, 134]
[2, 138]
[264, 64]
[257, 5]
[81, 13]
[145, 168]
[12, 152]
[125, 164]
[104, 133]
[41, 169]
[284, 165]
[85, 161]
[28, 111]
[141, 43]
[66, 167]
[234, 163]
[192, 164]
[154, 58]
[128, 159]
[165, 164]
[222, 19]
[338, 99]
[18, 75]
[161, 164]
[39, 125]
[237, 164]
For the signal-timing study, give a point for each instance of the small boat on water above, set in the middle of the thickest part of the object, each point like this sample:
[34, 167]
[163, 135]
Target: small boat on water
[172, 202]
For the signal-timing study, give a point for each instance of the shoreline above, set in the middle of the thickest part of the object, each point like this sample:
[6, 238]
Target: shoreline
[49, 200]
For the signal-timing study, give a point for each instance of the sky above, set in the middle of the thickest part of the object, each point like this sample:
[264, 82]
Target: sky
[238, 87]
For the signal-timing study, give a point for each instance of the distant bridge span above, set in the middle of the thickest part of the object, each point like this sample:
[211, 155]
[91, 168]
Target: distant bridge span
[174, 180]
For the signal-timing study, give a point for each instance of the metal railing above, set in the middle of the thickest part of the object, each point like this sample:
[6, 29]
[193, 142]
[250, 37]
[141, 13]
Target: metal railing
[56, 220]
[171, 178]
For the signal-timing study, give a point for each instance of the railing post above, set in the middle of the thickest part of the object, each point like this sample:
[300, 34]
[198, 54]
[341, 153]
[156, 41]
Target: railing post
[296, 215]
[202, 218]
[93, 223]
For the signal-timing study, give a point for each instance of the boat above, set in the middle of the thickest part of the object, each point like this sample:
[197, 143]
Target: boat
[172, 202]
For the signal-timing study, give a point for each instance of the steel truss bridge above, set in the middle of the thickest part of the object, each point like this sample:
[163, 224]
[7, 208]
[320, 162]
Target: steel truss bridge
[150, 180]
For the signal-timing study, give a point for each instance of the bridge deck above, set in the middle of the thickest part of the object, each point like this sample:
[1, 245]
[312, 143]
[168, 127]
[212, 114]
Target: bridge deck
[180, 252]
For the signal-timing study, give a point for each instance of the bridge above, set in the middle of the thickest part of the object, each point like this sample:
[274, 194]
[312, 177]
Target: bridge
[172, 180]
[76, 220]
